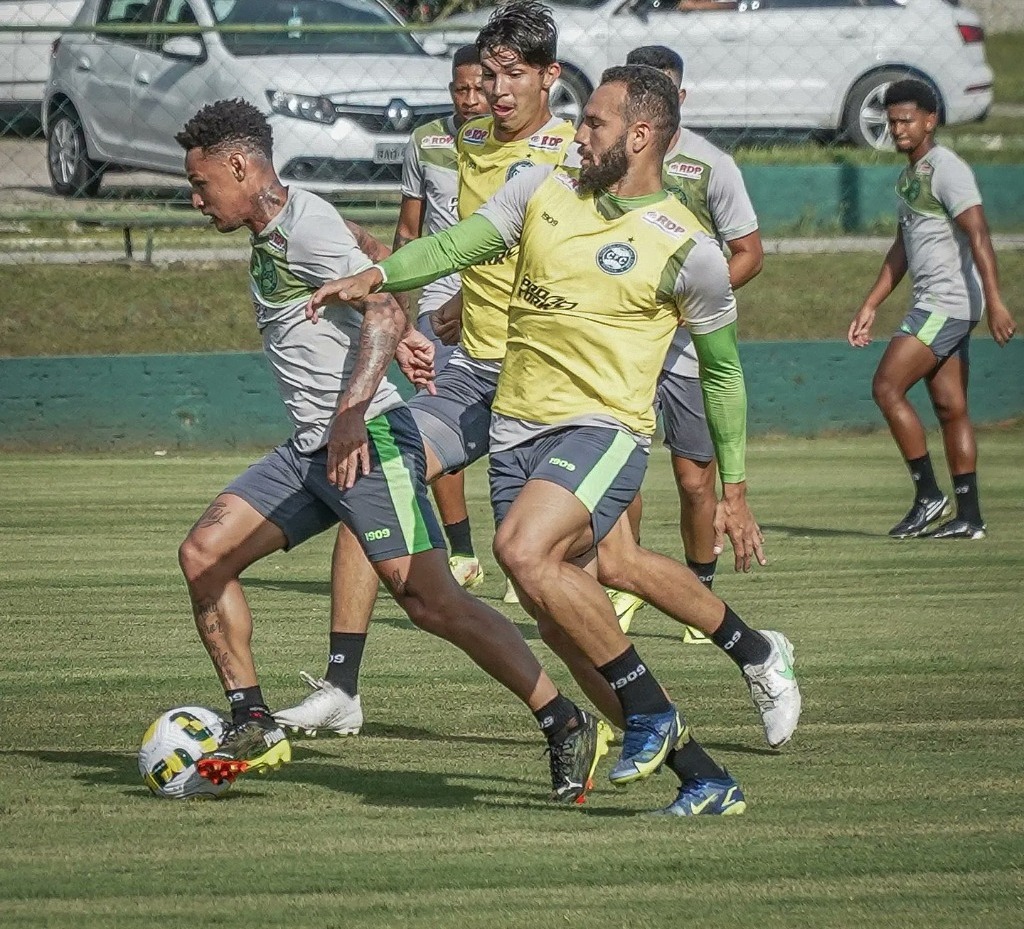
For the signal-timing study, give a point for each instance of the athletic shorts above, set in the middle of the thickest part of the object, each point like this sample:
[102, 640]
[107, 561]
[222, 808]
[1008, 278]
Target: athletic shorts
[455, 422]
[602, 467]
[681, 404]
[388, 509]
[944, 335]
[442, 352]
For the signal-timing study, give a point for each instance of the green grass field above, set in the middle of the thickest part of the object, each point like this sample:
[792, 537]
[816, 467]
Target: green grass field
[898, 802]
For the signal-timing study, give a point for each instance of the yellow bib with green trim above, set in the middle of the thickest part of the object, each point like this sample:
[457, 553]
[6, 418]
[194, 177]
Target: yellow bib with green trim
[593, 309]
[485, 164]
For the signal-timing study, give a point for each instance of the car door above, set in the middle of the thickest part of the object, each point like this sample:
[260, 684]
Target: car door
[805, 54]
[714, 46]
[103, 64]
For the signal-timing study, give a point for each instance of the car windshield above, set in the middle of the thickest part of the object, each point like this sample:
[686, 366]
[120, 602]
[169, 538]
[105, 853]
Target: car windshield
[294, 40]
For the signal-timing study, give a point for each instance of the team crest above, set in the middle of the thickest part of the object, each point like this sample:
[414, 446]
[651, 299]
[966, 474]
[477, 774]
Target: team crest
[685, 170]
[910, 189]
[617, 258]
[264, 272]
[516, 168]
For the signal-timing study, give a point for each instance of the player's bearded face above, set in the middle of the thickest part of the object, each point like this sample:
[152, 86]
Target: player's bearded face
[600, 170]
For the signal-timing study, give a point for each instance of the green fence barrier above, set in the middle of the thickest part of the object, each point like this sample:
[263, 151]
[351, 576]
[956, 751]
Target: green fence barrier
[229, 400]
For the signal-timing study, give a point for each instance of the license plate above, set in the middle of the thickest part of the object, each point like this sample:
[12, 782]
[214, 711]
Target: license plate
[389, 153]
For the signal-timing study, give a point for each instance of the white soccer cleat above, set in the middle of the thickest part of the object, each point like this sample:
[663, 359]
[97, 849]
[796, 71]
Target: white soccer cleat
[774, 690]
[510, 592]
[466, 571]
[327, 709]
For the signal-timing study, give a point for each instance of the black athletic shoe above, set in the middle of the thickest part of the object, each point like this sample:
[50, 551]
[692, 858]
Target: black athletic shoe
[921, 515]
[957, 528]
[574, 759]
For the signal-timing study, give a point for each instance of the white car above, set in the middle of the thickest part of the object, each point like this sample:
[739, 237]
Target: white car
[812, 65]
[25, 56]
[341, 104]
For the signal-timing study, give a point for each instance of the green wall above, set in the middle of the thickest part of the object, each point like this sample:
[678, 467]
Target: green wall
[230, 400]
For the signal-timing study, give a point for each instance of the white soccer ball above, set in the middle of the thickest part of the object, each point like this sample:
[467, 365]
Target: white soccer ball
[171, 747]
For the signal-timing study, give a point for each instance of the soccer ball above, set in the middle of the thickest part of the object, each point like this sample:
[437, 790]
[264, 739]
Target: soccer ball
[172, 746]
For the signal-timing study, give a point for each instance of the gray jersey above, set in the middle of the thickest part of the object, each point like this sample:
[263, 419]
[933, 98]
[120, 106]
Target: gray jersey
[708, 182]
[430, 173]
[931, 195]
[306, 245]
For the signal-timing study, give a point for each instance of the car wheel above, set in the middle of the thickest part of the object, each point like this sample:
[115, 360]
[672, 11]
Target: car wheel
[569, 95]
[865, 123]
[72, 172]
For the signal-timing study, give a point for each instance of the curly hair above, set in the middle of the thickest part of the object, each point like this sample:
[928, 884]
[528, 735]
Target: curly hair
[228, 123]
[911, 91]
[650, 96]
[524, 27]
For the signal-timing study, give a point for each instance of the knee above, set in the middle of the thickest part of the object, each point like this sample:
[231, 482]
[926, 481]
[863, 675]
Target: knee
[884, 392]
[617, 573]
[431, 610]
[949, 410]
[198, 561]
[515, 554]
[696, 488]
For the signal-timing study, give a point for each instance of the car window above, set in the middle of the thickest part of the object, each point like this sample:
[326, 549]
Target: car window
[175, 13]
[125, 12]
[295, 14]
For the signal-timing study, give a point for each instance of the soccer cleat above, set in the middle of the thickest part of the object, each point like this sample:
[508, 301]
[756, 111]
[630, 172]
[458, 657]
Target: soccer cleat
[707, 797]
[648, 739]
[326, 709]
[510, 592]
[921, 515]
[252, 747]
[574, 759]
[626, 606]
[957, 528]
[467, 571]
[692, 636]
[774, 690]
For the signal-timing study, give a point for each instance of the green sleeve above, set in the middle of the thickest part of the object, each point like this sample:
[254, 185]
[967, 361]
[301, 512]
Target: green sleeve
[725, 400]
[469, 242]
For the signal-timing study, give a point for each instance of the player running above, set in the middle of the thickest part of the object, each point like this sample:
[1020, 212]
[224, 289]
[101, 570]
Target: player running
[609, 263]
[943, 241]
[355, 456]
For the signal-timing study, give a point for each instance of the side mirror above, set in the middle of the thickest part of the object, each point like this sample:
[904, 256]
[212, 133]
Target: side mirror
[186, 47]
[434, 45]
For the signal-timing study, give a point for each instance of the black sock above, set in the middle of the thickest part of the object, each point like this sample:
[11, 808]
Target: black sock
[344, 660]
[246, 702]
[634, 685]
[557, 718]
[741, 643]
[923, 476]
[705, 571]
[460, 538]
[965, 488]
[689, 760]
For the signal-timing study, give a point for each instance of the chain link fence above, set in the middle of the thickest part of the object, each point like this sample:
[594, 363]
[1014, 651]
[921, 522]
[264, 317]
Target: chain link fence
[92, 94]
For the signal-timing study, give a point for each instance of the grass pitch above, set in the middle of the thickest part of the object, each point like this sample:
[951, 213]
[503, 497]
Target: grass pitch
[898, 802]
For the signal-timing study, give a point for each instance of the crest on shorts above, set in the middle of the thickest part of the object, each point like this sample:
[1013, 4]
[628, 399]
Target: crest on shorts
[617, 258]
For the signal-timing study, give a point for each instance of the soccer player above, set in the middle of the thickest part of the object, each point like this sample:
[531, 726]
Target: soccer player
[609, 263]
[355, 455]
[943, 241]
[517, 48]
[707, 181]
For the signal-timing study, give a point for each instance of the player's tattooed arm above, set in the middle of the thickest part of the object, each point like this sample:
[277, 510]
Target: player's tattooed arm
[348, 450]
[376, 251]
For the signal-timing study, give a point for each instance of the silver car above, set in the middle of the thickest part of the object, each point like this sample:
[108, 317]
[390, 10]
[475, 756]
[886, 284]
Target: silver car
[811, 65]
[341, 104]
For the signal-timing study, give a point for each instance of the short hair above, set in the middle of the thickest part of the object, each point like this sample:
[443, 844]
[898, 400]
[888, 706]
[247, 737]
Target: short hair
[650, 95]
[228, 123]
[657, 56]
[524, 27]
[911, 90]
[466, 55]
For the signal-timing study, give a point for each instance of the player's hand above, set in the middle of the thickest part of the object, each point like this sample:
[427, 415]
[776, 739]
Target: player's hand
[343, 290]
[859, 333]
[348, 448]
[446, 320]
[1000, 323]
[415, 357]
[733, 518]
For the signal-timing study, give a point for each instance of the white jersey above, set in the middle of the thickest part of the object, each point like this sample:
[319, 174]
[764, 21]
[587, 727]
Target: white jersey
[304, 246]
[430, 173]
[707, 181]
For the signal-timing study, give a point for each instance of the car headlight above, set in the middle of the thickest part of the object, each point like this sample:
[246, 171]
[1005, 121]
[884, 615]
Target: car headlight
[315, 109]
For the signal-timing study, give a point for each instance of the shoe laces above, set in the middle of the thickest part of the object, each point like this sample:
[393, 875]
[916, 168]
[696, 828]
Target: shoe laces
[639, 731]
